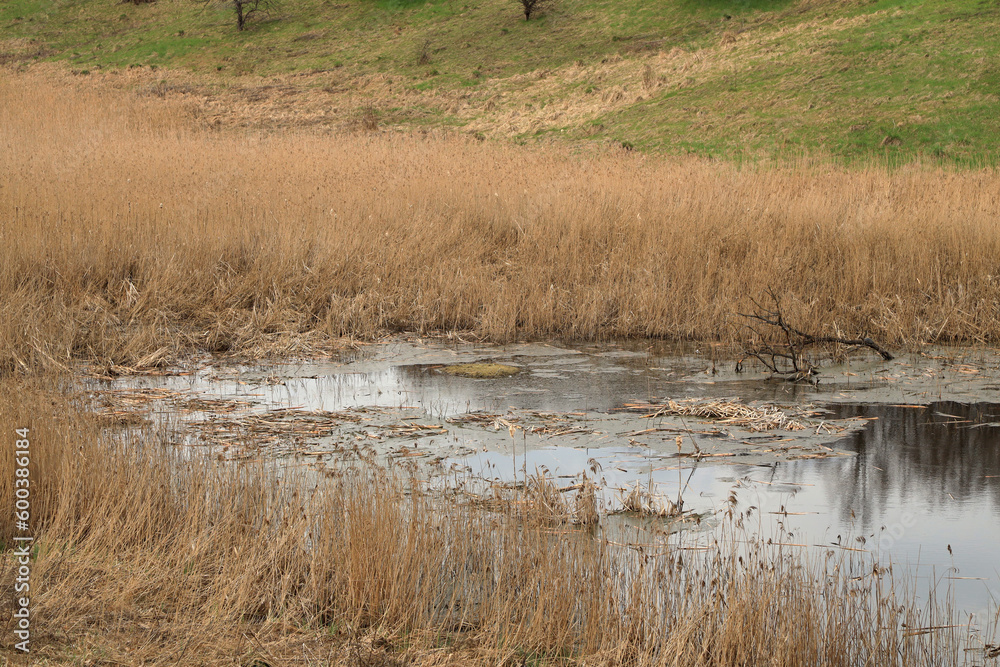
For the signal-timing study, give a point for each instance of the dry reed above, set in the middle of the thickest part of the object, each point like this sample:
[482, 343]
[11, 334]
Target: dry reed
[762, 417]
[128, 236]
[149, 555]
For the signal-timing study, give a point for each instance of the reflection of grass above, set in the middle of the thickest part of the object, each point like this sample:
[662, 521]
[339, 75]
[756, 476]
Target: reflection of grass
[746, 79]
[366, 562]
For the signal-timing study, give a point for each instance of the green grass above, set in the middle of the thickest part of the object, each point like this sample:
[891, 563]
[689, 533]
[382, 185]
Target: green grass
[889, 80]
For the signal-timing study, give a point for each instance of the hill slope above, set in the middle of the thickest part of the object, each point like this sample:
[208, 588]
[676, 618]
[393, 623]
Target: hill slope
[854, 79]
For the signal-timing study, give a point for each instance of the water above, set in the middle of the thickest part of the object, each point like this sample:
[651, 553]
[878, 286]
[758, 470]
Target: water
[922, 492]
[920, 488]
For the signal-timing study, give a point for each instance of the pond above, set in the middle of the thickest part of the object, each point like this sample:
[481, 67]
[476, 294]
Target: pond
[900, 458]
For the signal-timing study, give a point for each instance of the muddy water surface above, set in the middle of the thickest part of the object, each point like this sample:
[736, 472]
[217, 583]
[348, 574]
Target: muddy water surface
[898, 458]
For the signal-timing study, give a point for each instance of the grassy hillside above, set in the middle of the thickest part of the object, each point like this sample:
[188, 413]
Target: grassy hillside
[897, 80]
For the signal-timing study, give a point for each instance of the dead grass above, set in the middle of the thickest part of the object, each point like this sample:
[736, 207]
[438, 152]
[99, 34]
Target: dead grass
[147, 555]
[129, 236]
[753, 418]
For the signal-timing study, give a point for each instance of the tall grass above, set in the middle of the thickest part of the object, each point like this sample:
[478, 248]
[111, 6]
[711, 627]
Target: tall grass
[126, 235]
[147, 556]
[125, 231]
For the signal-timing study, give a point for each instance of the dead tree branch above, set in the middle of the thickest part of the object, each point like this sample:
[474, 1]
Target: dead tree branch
[787, 356]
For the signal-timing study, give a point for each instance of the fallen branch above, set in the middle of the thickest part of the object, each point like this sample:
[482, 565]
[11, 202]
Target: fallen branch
[788, 357]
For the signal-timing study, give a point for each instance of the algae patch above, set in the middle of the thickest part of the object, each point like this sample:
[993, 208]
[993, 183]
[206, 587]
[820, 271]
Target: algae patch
[481, 370]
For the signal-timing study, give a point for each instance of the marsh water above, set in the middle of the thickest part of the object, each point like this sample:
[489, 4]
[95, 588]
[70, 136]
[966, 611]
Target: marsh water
[901, 459]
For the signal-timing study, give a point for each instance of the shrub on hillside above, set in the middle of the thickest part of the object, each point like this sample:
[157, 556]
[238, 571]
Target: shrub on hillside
[247, 8]
[529, 7]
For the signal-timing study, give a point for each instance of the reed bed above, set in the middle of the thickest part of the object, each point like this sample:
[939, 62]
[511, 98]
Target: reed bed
[129, 235]
[148, 554]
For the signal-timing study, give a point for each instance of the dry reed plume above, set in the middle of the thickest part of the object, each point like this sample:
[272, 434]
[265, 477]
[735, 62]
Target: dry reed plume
[128, 236]
[149, 556]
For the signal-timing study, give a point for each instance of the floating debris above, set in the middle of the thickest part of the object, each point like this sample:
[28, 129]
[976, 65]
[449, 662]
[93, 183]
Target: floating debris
[551, 424]
[482, 370]
[214, 405]
[407, 430]
[278, 426]
[760, 418]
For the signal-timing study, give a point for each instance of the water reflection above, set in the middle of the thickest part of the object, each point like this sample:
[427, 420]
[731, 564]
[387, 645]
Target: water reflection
[923, 491]
[929, 458]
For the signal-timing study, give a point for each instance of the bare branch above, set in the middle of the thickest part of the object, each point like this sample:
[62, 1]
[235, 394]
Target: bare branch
[788, 357]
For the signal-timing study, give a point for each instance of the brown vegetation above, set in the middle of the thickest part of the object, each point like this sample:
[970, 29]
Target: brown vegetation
[128, 236]
[147, 555]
